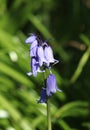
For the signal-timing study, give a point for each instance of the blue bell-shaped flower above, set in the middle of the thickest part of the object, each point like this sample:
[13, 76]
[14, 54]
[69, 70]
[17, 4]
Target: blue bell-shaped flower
[40, 55]
[33, 48]
[48, 54]
[51, 86]
[42, 96]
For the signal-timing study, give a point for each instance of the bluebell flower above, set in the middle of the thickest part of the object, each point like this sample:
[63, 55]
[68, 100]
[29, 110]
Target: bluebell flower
[48, 53]
[34, 67]
[51, 86]
[43, 96]
[31, 39]
[33, 48]
[40, 55]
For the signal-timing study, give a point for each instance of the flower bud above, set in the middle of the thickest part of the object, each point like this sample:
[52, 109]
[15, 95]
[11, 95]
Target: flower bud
[31, 39]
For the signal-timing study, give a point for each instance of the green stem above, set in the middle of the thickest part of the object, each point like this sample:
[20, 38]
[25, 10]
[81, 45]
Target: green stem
[48, 108]
[48, 115]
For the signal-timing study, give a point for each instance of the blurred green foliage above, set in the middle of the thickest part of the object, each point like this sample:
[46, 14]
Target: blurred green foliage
[67, 24]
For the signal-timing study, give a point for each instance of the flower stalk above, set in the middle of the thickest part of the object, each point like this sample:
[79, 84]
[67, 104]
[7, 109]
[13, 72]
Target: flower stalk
[48, 108]
[48, 115]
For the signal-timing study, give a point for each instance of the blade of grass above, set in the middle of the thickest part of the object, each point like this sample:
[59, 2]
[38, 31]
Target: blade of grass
[14, 74]
[70, 106]
[80, 66]
[16, 116]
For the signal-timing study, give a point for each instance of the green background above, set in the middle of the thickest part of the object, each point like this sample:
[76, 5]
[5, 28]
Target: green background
[67, 24]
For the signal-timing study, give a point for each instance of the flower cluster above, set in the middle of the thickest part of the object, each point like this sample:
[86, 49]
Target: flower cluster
[42, 57]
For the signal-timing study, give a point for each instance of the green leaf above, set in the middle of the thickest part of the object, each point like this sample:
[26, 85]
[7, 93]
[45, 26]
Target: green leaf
[85, 39]
[15, 74]
[71, 108]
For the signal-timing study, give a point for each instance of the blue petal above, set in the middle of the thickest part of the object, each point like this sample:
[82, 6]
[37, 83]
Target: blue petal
[31, 39]
[33, 49]
[34, 66]
[40, 55]
[51, 86]
[48, 53]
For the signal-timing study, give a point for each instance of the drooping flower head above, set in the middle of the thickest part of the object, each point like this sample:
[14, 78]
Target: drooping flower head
[35, 68]
[51, 86]
[40, 55]
[48, 54]
[43, 96]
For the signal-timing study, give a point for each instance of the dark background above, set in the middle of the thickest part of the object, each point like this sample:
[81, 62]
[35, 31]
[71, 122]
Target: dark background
[67, 24]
